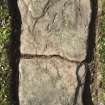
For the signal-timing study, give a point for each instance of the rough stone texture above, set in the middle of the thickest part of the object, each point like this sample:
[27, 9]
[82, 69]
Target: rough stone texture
[47, 82]
[53, 42]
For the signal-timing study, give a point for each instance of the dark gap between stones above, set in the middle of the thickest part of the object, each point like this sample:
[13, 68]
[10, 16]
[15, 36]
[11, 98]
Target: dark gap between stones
[91, 45]
[87, 95]
[14, 49]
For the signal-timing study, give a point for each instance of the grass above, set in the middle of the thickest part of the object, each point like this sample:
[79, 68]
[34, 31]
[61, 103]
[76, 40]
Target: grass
[101, 43]
[5, 70]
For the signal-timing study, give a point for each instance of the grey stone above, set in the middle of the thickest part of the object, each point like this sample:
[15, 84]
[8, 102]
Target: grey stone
[53, 42]
[55, 27]
[47, 81]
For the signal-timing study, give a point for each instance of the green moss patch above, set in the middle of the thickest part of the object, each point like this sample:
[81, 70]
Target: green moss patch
[5, 30]
[101, 49]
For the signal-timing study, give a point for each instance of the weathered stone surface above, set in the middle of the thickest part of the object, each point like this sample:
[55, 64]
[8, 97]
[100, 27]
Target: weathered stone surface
[55, 27]
[49, 81]
[53, 41]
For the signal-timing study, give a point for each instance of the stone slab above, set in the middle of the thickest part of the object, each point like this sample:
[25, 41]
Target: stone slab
[52, 30]
[48, 82]
[55, 27]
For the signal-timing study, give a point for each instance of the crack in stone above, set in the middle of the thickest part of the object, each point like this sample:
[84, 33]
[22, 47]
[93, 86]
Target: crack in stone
[48, 5]
[32, 56]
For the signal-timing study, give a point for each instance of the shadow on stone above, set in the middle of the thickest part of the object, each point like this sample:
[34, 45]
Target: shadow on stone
[87, 98]
[14, 49]
[86, 95]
